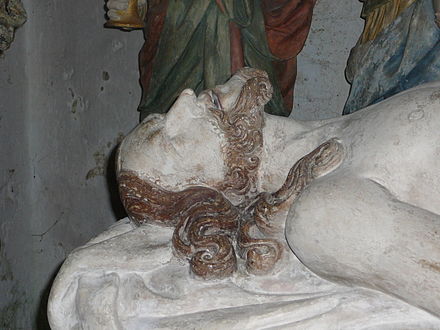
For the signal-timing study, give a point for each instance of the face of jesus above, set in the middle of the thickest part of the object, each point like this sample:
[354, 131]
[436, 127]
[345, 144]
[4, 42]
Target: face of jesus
[183, 147]
[201, 161]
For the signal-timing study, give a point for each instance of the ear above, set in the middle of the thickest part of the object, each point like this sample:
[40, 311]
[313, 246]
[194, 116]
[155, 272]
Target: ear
[183, 111]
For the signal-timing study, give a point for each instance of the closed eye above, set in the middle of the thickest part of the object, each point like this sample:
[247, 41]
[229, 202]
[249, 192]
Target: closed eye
[215, 100]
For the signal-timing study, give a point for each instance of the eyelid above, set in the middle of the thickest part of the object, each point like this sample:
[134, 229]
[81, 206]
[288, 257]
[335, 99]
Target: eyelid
[215, 100]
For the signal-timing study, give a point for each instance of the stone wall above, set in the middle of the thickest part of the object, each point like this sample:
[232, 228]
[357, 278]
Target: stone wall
[69, 91]
[321, 88]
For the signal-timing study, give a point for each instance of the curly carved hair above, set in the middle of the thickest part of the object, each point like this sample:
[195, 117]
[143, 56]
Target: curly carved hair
[211, 231]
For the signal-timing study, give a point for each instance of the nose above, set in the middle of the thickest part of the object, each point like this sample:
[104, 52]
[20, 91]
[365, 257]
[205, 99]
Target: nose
[187, 91]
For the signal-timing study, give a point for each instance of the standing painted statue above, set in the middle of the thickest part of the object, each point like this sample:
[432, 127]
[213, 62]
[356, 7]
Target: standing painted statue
[398, 49]
[199, 44]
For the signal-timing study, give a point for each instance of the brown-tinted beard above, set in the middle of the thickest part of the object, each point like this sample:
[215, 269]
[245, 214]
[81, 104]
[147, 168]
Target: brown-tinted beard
[243, 130]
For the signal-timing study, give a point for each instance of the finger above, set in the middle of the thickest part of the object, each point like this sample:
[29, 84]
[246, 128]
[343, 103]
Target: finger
[142, 8]
[142, 12]
[117, 4]
[114, 15]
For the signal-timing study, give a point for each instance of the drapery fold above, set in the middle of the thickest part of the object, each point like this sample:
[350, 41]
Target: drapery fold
[402, 55]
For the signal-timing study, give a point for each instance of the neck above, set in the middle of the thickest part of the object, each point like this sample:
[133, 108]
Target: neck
[285, 142]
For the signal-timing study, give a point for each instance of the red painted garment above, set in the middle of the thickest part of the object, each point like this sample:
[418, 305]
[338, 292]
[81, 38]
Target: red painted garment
[153, 28]
[287, 24]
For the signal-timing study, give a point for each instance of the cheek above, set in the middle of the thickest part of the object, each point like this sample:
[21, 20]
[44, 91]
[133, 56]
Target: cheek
[201, 156]
[187, 163]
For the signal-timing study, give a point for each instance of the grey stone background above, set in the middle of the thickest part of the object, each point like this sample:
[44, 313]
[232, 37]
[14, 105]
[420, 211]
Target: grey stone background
[69, 91]
[321, 88]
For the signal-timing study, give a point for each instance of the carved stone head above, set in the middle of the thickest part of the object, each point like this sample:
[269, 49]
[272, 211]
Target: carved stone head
[202, 140]
[196, 169]
[193, 167]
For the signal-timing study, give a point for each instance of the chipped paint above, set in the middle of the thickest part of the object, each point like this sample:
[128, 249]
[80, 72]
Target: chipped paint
[435, 266]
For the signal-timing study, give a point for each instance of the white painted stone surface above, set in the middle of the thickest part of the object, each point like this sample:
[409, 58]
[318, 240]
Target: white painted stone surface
[127, 278]
[371, 227]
